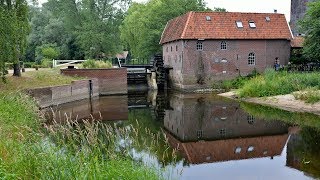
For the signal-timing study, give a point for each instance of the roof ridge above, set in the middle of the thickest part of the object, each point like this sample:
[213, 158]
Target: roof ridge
[186, 24]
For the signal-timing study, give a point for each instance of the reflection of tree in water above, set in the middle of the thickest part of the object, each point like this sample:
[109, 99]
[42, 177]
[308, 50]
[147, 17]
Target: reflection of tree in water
[150, 136]
[303, 148]
[308, 149]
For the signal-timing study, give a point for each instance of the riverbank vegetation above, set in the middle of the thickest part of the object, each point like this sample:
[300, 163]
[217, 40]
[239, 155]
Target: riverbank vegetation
[33, 149]
[276, 83]
[272, 83]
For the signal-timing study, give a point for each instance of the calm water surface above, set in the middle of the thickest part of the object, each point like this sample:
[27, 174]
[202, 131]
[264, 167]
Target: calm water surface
[216, 138]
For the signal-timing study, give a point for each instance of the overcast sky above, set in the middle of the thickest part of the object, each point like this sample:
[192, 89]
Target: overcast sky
[266, 6]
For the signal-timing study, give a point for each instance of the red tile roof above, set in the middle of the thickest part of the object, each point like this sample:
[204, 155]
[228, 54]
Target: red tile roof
[297, 42]
[222, 25]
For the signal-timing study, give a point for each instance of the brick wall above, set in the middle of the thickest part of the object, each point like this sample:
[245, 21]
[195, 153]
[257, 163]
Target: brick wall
[111, 81]
[200, 69]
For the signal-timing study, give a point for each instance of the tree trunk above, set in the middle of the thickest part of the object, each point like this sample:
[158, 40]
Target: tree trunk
[16, 69]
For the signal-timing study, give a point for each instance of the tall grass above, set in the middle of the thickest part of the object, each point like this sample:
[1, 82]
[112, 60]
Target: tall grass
[73, 150]
[310, 95]
[92, 64]
[33, 79]
[278, 83]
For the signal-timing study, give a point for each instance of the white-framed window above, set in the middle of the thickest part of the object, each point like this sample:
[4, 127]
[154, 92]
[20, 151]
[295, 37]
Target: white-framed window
[199, 46]
[252, 24]
[171, 48]
[223, 45]
[167, 49]
[176, 47]
[252, 59]
[250, 148]
[238, 150]
[239, 24]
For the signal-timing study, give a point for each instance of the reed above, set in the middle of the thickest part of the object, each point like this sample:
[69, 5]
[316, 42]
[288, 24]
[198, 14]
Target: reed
[279, 83]
[32, 149]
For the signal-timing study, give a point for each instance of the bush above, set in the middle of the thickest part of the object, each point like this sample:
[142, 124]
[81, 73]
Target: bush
[46, 63]
[239, 81]
[28, 64]
[9, 65]
[278, 83]
[93, 64]
[310, 95]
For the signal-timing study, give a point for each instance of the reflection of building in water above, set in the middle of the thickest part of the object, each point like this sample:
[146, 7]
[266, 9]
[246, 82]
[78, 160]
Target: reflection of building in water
[199, 117]
[103, 108]
[232, 134]
[230, 149]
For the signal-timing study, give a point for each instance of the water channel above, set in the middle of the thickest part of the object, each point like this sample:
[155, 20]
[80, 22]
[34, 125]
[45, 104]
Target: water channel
[215, 138]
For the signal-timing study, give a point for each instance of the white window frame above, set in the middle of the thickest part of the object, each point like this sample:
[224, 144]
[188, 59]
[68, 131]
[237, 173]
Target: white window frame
[252, 59]
[252, 24]
[239, 24]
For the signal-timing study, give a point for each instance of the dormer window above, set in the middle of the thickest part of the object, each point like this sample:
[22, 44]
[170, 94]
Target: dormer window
[268, 19]
[239, 24]
[208, 18]
[252, 24]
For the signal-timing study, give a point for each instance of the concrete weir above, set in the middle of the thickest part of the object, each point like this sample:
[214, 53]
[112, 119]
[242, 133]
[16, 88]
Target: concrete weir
[55, 95]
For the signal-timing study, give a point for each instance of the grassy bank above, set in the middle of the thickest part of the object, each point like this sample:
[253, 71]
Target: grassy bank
[29, 149]
[273, 83]
[33, 79]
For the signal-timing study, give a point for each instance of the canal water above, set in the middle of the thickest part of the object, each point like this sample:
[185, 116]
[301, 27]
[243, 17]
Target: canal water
[209, 137]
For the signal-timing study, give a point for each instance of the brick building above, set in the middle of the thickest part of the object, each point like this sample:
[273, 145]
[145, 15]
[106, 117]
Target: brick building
[204, 47]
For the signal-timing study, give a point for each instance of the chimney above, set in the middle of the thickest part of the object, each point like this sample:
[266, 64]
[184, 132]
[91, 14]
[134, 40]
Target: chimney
[275, 11]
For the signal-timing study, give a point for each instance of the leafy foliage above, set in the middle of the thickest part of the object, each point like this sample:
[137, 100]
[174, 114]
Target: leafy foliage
[311, 25]
[92, 64]
[142, 27]
[277, 83]
[77, 29]
[13, 31]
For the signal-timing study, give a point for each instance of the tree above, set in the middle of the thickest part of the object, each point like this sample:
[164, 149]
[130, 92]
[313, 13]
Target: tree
[311, 26]
[217, 9]
[14, 30]
[77, 28]
[142, 27]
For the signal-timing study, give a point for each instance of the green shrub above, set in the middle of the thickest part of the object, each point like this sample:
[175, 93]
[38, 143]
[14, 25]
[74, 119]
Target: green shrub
[9, 65]
[28, 64]
[235, 83]
[239, 81]
[277, 83]
[309, 96]
[93, 64]
[46, 63]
